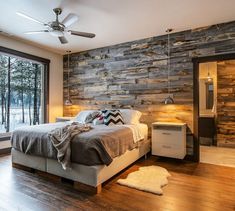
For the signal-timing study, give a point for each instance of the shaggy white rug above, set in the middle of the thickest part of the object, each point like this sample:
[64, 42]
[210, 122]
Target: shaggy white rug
[149, 178]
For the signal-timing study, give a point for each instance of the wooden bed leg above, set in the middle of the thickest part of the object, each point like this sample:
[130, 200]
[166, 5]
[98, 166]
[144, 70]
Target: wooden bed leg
[87, 188]
[25, 168]
[49, 176]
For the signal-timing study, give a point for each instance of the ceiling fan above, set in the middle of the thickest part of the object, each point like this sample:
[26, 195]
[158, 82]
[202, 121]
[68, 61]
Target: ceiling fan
[57, 28]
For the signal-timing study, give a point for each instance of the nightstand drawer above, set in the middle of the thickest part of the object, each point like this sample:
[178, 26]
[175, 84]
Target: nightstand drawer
[168, 151]
[168, 137]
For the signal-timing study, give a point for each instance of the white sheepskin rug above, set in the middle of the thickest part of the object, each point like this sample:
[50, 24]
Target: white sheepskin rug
[149, 178]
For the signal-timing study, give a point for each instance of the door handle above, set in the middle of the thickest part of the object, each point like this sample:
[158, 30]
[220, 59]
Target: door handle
[166, 133]
[165, 146]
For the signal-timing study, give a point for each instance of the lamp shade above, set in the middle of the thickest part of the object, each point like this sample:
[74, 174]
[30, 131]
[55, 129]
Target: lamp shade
[169, 100]
[68, 102]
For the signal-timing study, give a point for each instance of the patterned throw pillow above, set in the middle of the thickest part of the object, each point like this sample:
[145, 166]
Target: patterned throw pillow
[90, 117]
[112, 117]
[99, 120]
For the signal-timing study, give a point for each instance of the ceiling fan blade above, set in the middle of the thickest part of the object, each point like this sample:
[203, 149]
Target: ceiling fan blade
[30, 18]
[70, 19]
[63, 40]
[36, 32]
[82, 34]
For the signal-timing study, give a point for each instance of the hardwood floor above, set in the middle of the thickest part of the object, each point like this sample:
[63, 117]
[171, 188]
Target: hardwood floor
[217, 155]
[192, 187]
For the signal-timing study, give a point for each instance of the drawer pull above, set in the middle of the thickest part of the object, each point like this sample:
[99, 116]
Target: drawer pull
[166, 133]
[165, 146]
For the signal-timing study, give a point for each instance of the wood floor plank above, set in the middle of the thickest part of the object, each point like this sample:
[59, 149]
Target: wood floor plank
[192, 186]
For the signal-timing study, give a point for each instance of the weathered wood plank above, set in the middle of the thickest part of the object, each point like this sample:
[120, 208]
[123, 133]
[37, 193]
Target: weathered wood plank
[134, 74]
[226, 104]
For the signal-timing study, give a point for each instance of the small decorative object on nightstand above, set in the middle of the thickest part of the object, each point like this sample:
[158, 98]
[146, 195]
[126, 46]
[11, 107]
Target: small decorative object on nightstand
[169, 139]
[64, 119]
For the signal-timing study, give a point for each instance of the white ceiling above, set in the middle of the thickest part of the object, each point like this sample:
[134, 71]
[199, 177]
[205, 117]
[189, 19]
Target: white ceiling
[113, 21]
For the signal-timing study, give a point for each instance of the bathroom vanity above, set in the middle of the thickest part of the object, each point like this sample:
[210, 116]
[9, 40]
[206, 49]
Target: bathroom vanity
[207, 127]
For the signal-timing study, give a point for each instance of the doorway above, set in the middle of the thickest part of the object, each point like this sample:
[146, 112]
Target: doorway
[214, 109]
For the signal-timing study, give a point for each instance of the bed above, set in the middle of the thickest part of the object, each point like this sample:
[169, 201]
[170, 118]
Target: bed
[92, 163]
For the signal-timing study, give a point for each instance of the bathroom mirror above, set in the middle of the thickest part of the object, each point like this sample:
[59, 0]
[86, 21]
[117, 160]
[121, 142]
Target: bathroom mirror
[209, 94]
[206, 95]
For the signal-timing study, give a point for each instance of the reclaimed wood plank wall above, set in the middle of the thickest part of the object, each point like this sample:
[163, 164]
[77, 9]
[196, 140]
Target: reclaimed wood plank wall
[226, 104]
[134, 74]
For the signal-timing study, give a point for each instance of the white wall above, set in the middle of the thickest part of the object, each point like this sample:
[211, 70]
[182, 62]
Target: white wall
[56, 72]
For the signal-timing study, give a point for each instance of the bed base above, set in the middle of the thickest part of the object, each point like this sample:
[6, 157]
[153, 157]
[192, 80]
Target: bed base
[84, 178]
[57, 179]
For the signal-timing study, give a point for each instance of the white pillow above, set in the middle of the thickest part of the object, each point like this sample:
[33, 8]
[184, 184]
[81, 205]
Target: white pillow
[99, 120]
[131, 116]
[82, 115]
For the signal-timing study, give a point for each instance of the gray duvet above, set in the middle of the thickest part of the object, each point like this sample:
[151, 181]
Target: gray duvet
[97, 146]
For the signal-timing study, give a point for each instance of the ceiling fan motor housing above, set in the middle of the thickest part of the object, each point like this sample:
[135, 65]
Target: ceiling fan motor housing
[55, 27]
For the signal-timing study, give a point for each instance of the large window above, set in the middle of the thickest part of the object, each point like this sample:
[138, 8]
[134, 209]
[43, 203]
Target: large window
[23, 90]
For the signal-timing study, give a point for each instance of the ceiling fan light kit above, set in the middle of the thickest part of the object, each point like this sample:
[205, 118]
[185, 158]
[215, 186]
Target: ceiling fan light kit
[56, 33]
[57, 28]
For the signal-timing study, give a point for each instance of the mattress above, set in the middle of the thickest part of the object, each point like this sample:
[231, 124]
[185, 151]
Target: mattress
[98, 146]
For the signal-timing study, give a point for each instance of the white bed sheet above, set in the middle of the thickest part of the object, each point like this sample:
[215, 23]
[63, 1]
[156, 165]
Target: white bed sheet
[140, 131]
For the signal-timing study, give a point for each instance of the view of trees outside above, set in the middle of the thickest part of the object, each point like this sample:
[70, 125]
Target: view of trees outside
[20, 92]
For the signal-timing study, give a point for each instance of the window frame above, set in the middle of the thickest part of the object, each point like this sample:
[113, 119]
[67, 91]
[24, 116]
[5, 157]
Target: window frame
[46, 69]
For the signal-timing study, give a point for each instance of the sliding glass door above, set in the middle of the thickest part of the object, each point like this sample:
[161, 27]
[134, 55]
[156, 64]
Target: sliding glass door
[22, 92]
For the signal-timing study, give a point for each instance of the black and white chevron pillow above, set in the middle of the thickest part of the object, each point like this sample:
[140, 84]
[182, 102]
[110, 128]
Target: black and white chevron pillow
[112, 117]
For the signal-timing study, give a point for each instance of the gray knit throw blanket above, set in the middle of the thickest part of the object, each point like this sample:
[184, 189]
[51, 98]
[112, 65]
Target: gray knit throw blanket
[61, 138]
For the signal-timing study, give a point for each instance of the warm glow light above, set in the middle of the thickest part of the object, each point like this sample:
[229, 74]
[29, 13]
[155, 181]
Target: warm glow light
[209, 79]
[56, 110]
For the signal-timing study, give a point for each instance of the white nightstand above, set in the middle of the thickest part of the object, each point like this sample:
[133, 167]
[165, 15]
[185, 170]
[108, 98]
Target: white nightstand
[64, 119]
[169, 139]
